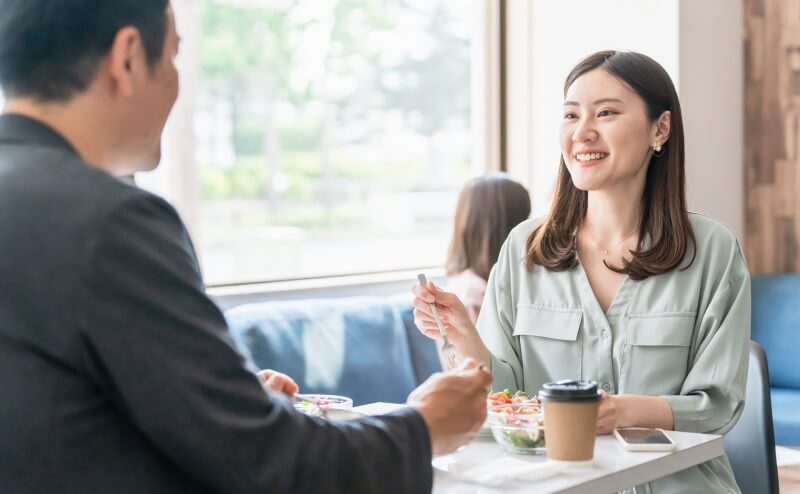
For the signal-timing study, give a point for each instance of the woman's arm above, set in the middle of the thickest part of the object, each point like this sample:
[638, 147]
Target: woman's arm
[712, 395]
[455, 317]
[617, 411]
[494, 343]
[497, 318]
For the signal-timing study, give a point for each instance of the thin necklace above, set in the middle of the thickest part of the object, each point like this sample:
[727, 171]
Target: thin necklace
[605, 250]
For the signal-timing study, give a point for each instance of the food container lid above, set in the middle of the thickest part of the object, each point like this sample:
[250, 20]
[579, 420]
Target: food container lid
[570, 390]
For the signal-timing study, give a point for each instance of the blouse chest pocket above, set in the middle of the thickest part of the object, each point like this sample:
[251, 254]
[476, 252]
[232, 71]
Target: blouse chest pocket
[656, 354]
[549, 344]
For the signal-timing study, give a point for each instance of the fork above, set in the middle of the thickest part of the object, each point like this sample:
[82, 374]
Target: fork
[448, 349]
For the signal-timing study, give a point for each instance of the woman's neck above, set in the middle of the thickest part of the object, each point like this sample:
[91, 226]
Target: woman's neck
[611, 218]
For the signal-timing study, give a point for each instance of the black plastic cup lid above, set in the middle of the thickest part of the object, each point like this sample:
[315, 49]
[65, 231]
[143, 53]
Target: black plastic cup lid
[570, 390]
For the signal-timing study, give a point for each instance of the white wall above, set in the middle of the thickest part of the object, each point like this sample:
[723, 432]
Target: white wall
[699, 43]
[711, 56]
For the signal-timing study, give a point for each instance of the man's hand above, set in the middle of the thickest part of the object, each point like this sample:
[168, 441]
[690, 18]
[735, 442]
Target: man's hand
[453, 405]
[278, 382]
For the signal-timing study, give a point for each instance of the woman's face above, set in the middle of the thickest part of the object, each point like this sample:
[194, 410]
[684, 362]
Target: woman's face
[606, 137]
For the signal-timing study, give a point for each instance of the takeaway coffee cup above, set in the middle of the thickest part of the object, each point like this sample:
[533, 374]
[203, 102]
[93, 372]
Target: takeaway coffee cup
[570, 419]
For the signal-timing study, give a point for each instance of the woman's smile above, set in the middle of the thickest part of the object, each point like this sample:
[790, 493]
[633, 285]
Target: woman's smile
[588, 159]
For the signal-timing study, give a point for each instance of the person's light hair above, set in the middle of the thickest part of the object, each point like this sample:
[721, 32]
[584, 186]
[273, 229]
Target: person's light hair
[489, 207]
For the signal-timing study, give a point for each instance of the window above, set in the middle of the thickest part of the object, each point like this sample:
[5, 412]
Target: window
[322, 137]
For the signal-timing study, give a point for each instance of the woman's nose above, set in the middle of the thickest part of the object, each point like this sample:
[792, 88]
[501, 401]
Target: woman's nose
[584, 132]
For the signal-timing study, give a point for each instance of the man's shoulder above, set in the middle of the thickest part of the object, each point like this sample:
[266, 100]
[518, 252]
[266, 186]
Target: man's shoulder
[98, 188]
[74, 187]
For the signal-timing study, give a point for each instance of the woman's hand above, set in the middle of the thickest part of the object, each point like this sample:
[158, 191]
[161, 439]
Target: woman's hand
[278, 382]
[455, 319]
[607, 415]
[619, 411]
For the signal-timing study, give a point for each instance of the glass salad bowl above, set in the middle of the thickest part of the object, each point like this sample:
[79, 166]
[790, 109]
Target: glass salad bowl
[317, 405]
[517, 423]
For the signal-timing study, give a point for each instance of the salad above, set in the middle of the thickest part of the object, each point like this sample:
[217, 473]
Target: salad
[316, 404]
[318, 401]
[506, 396]
[517, 421]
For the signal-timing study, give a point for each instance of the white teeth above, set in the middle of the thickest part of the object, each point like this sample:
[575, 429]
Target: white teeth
[590, 156]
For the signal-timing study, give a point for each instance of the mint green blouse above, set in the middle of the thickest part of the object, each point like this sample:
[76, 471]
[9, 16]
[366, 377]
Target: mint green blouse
[682, 335]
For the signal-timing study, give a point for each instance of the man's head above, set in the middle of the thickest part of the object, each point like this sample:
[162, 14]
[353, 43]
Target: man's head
[113, 61]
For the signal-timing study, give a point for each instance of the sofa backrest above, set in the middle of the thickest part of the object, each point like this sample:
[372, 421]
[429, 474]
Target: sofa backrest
[776, 325]
[366, 348]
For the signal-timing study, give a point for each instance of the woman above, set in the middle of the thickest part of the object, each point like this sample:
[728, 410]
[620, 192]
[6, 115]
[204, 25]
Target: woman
[619, 283]
[488, 208]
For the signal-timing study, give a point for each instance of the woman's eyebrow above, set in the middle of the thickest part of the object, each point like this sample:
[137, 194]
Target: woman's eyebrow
[595, 102]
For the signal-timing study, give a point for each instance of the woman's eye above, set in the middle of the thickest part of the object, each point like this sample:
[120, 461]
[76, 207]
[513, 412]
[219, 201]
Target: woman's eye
[570, 116]
[606, 113]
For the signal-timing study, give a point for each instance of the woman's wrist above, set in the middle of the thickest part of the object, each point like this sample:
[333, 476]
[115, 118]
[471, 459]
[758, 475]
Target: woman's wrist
[643, 411]
[469, 344]
[621, 403]
[478, 350]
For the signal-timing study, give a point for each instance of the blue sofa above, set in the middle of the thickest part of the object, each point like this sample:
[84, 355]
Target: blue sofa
[776, 325]
[366, 348]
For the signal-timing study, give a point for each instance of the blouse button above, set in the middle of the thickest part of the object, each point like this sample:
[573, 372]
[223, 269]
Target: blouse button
[605, 334]
[606, 386]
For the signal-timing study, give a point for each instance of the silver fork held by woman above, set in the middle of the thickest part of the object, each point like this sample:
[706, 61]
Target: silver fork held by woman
[448, 349]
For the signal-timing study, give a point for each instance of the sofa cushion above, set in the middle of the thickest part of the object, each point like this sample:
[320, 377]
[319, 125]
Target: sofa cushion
[357, 347]
[776, 325]
[785, 416]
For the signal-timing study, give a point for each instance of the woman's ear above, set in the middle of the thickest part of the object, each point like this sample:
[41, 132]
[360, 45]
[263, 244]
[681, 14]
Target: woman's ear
[661, 131]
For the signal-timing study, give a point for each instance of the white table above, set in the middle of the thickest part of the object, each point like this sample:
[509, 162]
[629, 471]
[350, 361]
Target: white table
[613, 468]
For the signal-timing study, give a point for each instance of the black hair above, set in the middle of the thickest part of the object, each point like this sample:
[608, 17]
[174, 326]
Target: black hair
[50, 49]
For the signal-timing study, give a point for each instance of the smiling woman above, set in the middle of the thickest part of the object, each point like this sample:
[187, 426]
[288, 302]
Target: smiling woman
[622, 285]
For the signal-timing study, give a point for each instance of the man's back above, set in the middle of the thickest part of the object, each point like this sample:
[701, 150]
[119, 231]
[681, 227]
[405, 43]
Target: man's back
[115, 369]
[60, 424]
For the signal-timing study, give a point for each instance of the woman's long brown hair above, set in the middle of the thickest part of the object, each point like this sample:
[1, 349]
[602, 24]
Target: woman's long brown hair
[664, 227]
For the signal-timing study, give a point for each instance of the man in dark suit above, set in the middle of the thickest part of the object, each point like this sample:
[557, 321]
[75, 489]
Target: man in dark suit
[116, 371]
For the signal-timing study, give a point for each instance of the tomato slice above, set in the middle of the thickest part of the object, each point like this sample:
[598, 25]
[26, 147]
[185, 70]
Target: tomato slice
[500, 396]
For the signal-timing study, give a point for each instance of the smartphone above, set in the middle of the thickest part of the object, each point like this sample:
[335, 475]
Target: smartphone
[642, 439]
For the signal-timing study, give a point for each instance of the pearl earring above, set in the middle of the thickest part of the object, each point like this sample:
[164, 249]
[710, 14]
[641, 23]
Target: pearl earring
[657, 147]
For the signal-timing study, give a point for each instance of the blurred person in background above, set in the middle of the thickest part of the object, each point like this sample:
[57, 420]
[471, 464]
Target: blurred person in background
[488, 208]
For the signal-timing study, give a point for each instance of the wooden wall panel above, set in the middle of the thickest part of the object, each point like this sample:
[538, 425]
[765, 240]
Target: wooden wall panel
[772, 135]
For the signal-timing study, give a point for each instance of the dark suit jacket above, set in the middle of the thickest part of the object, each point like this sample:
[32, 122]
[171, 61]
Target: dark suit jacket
[116, 371]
